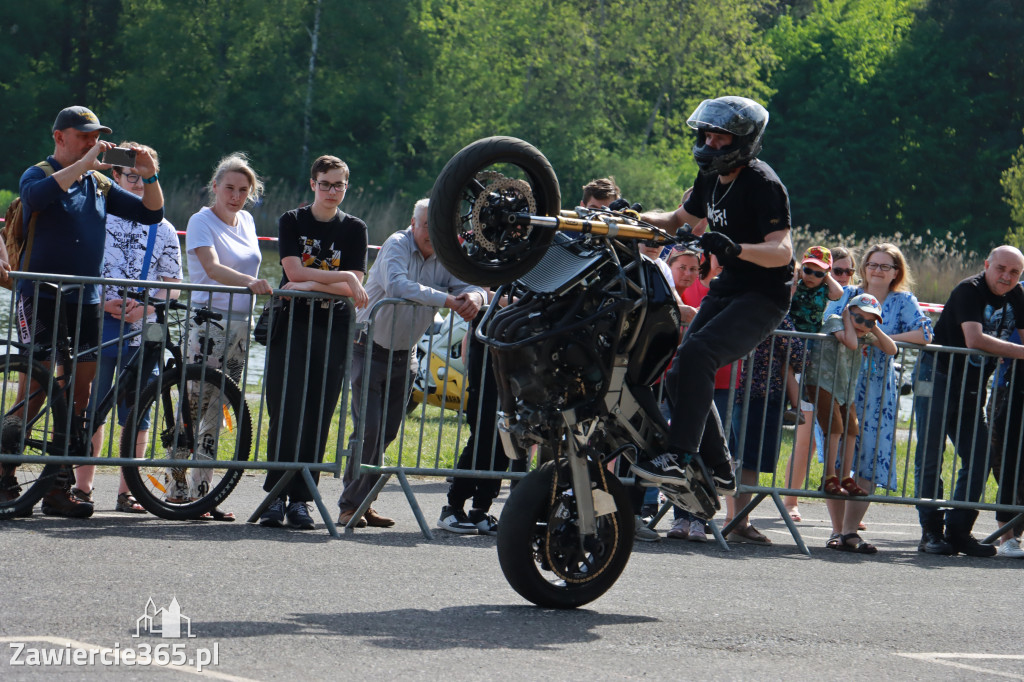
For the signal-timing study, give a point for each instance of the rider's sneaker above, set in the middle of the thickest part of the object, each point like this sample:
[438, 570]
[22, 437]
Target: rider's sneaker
[298, 516]
[60, 502]
[665, 469]
[642, 533]
[724, 482]
[454, 520]
[273, 517]
[484, 522]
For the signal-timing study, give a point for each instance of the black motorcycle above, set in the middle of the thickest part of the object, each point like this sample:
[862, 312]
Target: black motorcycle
[589, 326]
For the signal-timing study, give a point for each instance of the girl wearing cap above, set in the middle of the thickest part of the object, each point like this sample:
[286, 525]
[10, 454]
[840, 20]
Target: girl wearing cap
[885, 276]
[831, 386]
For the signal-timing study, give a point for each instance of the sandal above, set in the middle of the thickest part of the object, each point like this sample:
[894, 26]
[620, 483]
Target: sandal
[126, 502]
[834, 541]
[216, 514]
[794, 514]
[851, 487]
[861, 526]
[749, 535]
[82, 495]
[860, 548]
[831, 486]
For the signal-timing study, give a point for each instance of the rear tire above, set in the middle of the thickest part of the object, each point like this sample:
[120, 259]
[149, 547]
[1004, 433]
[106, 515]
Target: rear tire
[177, 428]
[538, 539]
[23, 485]
[478, 188]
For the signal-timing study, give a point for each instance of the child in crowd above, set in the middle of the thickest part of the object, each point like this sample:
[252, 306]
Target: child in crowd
[833, 382]
[813, 288]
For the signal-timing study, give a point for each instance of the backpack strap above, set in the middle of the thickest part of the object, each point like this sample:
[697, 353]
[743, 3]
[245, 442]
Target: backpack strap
[48, 170]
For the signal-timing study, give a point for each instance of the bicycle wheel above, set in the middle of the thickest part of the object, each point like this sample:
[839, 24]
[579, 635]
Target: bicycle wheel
[472, 201]
[22, 485]
[196, 414]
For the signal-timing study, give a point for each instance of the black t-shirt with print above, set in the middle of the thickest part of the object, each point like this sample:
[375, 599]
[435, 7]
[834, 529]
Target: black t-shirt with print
[751, 206]
[337, 244]
[973, 301]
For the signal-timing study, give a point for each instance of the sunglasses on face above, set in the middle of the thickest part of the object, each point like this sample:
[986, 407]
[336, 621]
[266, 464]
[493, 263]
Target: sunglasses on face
[813, 273]
[868, 322]
[843, 272]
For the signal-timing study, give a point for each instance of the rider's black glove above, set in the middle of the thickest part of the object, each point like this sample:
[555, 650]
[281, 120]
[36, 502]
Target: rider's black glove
[720, 245]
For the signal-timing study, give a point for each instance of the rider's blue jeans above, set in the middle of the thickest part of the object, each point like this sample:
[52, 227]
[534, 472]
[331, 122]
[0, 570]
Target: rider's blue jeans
[726, 328]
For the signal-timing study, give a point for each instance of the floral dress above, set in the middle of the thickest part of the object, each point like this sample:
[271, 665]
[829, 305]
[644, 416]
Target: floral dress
[877, 398]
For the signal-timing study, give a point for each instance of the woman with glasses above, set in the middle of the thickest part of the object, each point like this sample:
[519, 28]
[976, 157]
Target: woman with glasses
[884, 275]
[322, 249]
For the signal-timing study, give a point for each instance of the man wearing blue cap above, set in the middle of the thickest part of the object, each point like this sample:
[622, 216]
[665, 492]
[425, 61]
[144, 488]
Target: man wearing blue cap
[69, 200]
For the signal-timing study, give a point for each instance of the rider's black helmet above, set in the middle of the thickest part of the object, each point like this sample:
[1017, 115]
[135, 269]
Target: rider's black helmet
[743, 118]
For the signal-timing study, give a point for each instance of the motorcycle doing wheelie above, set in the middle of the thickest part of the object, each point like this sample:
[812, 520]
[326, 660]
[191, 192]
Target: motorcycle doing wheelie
[589, 326]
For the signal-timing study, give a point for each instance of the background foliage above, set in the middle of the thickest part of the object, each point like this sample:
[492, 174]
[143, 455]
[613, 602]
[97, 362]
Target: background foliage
[888, 116]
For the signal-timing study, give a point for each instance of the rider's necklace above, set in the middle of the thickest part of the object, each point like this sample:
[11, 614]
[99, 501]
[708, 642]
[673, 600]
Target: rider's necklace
[714, 204]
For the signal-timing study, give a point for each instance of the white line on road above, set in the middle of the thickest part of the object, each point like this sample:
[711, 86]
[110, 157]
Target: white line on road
[947, 659]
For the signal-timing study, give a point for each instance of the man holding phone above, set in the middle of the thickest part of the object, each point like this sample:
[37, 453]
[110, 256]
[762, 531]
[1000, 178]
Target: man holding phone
[71, 200]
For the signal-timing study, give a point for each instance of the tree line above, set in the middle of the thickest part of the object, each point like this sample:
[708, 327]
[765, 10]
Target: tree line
[887, 116]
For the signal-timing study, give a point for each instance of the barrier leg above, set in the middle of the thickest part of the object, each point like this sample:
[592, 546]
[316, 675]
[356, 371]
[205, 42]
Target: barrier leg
[378, 486]
[1002, 529]
[790, 524]
[319, 502]
[271, 496]
[417, 512]
[719, 537]
[743, 513]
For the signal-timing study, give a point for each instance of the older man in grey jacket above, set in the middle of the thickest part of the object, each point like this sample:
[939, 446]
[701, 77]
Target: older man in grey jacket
[406, 268]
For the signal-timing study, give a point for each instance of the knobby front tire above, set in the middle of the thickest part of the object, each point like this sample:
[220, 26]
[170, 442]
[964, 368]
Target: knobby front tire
[197, 413]
[477, 189]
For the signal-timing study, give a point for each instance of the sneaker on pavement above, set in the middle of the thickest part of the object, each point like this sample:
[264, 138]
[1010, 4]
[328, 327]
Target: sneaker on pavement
[375, 520]
[680, 530]
[484, 522]
[273, 517]
[346, 516]
[60, 502]
[454, 520]
[644, 534]
[1010, 549]
[298, 516]
[668, 468]
[696, 531]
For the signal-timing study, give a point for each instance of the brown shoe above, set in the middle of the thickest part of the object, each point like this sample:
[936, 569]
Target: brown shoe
[376, 520]
[347, 515]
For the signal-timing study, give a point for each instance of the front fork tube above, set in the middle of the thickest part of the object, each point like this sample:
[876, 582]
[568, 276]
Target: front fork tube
[580, 469]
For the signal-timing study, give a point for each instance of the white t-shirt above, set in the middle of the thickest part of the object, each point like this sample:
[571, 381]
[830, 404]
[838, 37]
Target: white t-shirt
[236, 247]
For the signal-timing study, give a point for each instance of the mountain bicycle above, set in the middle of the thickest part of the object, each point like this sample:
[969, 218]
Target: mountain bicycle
[198, 413]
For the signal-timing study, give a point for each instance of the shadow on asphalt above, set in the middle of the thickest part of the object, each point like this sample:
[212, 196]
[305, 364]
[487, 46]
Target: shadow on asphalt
[474, 627]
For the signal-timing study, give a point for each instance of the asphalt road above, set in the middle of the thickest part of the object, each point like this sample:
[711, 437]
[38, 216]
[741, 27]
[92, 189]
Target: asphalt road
[278, 604]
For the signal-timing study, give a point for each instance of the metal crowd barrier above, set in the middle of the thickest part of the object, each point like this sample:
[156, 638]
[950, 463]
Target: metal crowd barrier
[242, 372]
[975, 399]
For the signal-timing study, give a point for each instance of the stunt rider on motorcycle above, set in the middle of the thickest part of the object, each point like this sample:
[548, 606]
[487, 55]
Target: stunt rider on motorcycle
[748, 225]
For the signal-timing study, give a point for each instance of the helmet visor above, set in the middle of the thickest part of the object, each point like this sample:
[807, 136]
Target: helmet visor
[734, 115]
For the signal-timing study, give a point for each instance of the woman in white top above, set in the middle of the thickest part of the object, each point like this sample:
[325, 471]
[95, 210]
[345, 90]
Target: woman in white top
[222, 248]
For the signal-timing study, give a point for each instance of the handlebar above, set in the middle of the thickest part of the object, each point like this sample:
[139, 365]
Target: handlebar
[201, 315]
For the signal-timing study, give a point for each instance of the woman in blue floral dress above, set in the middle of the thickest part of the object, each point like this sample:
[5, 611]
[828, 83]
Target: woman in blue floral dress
[884, 275]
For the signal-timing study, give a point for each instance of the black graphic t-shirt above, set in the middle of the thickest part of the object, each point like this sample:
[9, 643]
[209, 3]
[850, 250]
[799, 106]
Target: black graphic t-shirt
[753, 205]
[337, 244]
[973, 301]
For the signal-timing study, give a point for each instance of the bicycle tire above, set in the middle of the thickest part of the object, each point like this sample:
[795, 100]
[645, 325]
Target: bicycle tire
[21, 486]
[173, 437]
[471, 240]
